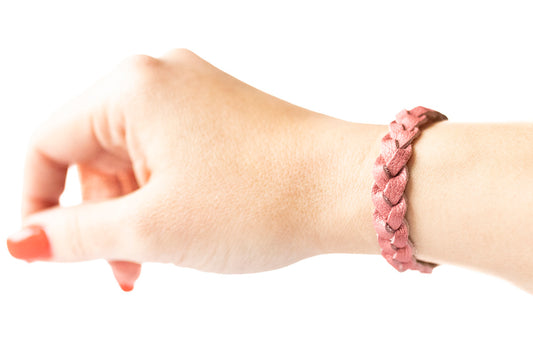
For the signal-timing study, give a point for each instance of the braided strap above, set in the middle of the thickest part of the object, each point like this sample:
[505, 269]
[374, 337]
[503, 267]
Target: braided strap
[391, 176]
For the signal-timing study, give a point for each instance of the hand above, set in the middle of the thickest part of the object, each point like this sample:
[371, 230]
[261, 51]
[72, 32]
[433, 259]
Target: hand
[179, 163]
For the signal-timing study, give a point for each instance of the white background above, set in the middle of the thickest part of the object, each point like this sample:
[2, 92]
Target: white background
[358, 61]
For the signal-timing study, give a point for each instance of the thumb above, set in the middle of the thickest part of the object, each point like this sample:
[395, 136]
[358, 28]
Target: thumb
[91, 230]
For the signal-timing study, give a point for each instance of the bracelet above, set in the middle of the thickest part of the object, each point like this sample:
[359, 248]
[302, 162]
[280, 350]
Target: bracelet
[390, 179]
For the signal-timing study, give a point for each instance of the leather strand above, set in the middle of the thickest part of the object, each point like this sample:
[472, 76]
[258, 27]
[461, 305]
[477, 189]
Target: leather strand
[388, 191]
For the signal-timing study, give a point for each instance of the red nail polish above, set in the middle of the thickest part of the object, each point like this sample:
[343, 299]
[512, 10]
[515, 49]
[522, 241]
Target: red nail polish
[31, 243]
[125, 273]
[126, 287]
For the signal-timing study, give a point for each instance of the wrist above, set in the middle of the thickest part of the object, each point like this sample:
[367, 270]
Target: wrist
[342, 156]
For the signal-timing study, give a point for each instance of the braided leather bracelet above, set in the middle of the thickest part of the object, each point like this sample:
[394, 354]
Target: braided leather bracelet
[391, 176]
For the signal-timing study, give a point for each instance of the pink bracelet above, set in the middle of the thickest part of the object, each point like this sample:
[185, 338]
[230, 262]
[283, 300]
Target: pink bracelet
[391, 175]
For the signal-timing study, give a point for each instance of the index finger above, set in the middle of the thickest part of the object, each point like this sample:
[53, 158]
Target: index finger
[66, 138]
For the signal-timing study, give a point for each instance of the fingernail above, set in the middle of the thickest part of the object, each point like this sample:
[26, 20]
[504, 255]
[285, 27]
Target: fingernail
[126, 287]
[30, 243]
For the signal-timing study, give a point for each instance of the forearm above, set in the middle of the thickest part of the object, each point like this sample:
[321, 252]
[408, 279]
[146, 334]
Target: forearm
[468, 195]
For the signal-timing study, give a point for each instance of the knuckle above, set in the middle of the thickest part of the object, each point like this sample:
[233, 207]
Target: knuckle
[36, 138]
[78, 247]
[139, 70]
[88, 240]
[140, 62]
[181, 55]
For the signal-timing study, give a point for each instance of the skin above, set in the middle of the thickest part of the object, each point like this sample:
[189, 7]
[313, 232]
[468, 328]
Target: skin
[182, 163]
